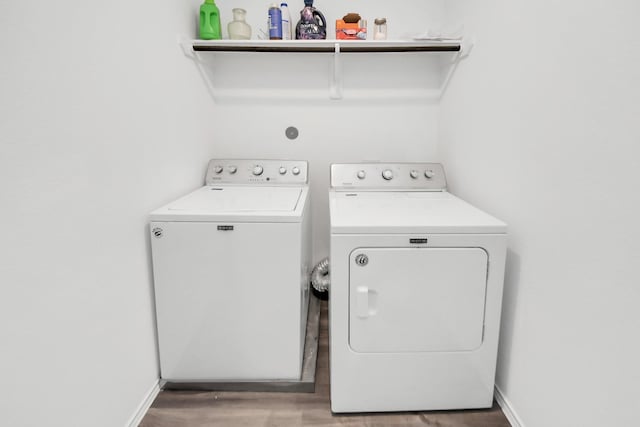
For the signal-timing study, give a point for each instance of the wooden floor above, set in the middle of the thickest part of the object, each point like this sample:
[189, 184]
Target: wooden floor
[235, 409]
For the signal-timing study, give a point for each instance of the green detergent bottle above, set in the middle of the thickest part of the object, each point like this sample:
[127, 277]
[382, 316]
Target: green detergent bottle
[210, 21]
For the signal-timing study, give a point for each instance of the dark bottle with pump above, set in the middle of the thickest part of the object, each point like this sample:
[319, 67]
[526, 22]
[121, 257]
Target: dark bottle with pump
[312, 25]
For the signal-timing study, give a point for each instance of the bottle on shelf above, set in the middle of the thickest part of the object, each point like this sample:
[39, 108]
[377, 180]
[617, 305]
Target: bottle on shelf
[275, 22]
[380, 29]
[210, 28]
[238, 28]
[286, 21]
[312, 25]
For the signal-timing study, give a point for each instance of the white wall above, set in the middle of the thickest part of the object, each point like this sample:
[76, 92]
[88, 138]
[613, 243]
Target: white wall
[98, 126]
[540, 127]
[102, 119]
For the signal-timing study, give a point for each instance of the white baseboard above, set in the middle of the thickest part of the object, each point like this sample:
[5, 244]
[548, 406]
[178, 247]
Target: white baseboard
[144, 406]
[507, 409]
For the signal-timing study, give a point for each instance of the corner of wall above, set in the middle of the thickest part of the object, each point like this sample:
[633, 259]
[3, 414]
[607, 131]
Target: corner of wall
[144, 406]
[507, 408]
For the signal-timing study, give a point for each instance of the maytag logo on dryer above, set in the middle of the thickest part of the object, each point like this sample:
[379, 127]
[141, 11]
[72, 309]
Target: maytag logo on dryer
[225, 228]
[418, 241]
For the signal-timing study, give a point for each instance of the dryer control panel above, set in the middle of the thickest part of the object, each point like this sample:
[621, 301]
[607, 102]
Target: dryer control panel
[245, 171]
[388, 176]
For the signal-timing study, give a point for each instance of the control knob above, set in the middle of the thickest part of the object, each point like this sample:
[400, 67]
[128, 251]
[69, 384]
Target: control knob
[361, 174]
[257, 170]
[233, 169]
[429, 173]
[295, 170]
[217, 169]
[387, 174]
[413, 174]
[282, 170]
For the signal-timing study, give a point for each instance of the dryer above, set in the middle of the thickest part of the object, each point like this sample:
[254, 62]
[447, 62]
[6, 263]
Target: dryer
[416, 291]
[231, 265]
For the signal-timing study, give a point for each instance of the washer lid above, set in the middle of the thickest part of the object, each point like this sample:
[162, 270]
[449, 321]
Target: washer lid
[236, 203]
[407, 212]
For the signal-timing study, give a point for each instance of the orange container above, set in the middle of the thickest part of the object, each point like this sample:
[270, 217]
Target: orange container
[350, 31]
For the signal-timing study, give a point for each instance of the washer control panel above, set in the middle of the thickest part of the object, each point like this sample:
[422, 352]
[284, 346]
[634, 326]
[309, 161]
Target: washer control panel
[391, 176]
[244, 171]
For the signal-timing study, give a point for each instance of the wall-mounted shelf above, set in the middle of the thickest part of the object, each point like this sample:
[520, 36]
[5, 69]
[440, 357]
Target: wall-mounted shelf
[327, 46]
[233, 71]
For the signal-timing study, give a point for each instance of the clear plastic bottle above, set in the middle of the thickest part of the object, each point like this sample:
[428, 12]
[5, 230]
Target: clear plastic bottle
[286, 21]
[238, 28]
[380, 29]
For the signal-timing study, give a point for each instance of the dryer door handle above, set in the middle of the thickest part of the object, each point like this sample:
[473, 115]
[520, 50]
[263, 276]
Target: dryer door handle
[362, 301]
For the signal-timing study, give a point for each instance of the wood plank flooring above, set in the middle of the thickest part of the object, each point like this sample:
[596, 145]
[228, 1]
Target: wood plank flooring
[240, 409]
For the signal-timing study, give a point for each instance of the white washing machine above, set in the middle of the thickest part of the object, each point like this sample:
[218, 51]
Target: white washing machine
[231, 265]
[416, 291]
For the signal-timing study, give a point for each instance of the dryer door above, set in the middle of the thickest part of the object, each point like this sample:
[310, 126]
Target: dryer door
[417, 299]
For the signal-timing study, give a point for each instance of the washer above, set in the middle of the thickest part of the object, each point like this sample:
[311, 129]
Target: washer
[231, 265]
[416, 291]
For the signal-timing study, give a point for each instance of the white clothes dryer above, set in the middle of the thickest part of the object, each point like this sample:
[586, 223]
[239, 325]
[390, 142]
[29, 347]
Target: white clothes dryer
[416, 291]
[231, 265]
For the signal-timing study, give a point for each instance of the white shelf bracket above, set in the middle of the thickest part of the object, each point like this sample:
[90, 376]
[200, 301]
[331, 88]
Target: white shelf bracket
[466, 46]
[335, 82]
[187, 47]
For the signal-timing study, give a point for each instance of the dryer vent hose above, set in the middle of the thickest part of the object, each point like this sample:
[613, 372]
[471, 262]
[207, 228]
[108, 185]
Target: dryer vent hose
[320, 279]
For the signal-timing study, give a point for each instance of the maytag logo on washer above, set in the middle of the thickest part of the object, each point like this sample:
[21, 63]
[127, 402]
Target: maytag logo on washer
[362, 260]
